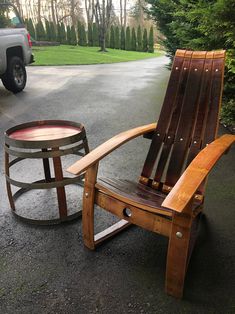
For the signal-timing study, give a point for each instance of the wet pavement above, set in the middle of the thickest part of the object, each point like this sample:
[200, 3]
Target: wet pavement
[46, 269]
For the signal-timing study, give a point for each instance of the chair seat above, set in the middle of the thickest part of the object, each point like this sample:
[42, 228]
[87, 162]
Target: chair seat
[136, 194]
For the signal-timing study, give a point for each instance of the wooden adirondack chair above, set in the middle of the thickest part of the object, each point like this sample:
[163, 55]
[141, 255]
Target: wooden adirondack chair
[167, 200]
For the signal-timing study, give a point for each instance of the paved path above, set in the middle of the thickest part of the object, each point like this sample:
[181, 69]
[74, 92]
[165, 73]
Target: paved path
[47, 269]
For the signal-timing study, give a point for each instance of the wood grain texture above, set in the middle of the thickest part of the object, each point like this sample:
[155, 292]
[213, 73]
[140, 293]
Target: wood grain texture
[147, 220]
[106, 148]
[88, 207]
[196, 172]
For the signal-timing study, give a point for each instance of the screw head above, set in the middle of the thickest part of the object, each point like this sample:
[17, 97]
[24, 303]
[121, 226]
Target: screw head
[179, 234]
[86, 194]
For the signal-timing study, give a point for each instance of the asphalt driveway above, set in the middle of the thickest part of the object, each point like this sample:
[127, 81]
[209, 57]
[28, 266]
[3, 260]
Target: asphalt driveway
[47, 269]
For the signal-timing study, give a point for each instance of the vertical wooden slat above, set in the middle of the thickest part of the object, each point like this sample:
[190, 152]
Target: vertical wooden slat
[46, 167]
[174, 119]
[60, 190]
[187, 119]
[203, 109]
[165, 115]
[216, 96]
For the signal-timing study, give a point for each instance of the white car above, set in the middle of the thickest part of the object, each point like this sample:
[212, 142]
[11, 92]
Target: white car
[15, 49]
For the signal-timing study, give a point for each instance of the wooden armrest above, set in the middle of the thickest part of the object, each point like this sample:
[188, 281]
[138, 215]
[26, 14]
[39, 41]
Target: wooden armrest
[196, 172]
[106, 148]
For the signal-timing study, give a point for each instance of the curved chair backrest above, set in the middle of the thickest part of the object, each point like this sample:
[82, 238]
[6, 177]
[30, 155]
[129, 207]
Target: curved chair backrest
[188, 119]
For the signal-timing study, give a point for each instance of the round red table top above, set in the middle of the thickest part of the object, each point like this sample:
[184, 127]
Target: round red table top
[44, 132]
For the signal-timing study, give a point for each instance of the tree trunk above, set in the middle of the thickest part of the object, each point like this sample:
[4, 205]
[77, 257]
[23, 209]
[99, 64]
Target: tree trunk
[121, 13]
[39, 10]
[124, 14]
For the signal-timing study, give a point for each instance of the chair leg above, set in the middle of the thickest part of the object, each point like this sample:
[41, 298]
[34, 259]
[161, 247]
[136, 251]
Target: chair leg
[88, 207]
[178, 252]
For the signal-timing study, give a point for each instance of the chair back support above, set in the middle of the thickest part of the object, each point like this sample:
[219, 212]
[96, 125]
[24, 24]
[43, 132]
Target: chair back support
[189, 117]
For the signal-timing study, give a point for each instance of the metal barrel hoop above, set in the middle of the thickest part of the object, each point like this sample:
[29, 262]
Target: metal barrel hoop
[45, 149]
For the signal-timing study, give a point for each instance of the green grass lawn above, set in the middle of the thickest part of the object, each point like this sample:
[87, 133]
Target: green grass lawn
[67, 55]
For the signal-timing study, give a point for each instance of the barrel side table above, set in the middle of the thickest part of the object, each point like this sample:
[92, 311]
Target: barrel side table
[44, 140]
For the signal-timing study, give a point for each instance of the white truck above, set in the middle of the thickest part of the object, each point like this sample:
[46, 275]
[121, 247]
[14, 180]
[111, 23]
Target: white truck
[15, 49]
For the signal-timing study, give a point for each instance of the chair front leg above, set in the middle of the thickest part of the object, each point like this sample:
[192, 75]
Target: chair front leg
[88, 207]
[178, 252]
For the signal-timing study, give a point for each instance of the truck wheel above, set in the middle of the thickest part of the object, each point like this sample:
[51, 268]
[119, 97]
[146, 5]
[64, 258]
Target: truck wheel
[15, 77]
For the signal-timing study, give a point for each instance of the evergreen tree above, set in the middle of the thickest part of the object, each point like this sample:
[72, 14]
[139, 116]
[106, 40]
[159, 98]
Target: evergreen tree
[128, 39]
[53, 31]
[90, 35]
[112, 37]
[133, 40]
[139, 39]
[48, 31]
[79, 31]
[68, 35]
[151, 41]
[116, 38]
[96, 41]
[31, 28]
[107, 39]
[73, 36]
[82, 36]
[58, 33]
[40, 31]
[63, 34]
[123, 39]
[145, 41]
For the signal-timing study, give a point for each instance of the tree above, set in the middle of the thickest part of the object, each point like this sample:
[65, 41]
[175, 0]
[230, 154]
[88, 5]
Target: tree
[139, 39]
[112, 37]
[48, 31]
[138, 12]
[40, 31]
[90, 35]
[128, 38]
[145, 41]
[200, 25]
[102, 16]
[58, 33]
[96, 41]
[151, 41]
[116, 38]
[53, 31]
[82, 41]
[133, 40]
[73, 40]
[63, 34]
[107, 39]
[31, 28]
[68, 35]
[123, 39]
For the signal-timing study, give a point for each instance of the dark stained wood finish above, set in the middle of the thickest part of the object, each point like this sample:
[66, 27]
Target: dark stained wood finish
[166, 202]
[60, 190]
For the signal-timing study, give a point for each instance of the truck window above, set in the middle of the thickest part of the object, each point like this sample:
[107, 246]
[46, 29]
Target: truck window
[9, 17]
